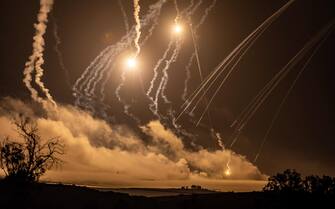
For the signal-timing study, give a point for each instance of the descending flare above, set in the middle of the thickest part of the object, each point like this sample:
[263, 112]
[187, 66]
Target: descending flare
[131, 63]
[177, 28]
[227, 172]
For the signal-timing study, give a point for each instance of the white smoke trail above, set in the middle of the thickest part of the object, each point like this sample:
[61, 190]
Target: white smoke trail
[117, 91]
[165, 78]
[59, 53]
[194, 36]
[280, 106]
[188, 76]
[124, 14]
[188, 12]
[152, 16]
[125, 105]
[240, 56]
[105, 62]
[137, 9]
[95, 71]
[158, 64]
[176, 7]
[273, 83]
[36, 59]
[224, 64]
[205, 15]
[227, 171]
[154, 105]
[220, 141]
[285, 70]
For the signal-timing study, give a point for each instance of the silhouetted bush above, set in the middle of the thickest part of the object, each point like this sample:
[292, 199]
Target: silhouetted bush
[26, 161]
[319, 185]
[291, 181]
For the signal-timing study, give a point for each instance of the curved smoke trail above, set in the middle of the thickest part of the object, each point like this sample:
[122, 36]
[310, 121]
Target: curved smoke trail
[137, 9]
[59, 53]
[36, 59]
[99, 71]
[125, 17]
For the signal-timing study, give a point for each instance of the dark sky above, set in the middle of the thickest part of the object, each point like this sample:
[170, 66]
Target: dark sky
[302, 137]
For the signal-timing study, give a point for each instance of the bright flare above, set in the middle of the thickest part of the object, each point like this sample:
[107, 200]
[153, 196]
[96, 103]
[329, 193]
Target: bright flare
[131, 63]
[177, 28]
[227, 172]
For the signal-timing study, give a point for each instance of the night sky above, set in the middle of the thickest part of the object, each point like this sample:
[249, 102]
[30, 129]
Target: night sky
[302, 137]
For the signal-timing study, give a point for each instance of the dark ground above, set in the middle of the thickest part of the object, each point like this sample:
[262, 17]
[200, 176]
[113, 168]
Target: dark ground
[45, 196]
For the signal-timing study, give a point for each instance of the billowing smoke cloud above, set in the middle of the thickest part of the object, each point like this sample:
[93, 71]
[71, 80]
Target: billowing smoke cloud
[36, 59]
[97, 152]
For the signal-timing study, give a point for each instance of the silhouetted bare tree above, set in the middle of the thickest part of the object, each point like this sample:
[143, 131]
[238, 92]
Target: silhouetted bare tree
[28, 160]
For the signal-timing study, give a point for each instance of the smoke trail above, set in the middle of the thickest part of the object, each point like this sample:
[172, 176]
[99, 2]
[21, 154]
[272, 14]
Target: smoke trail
[176, 7]
[154, 106]
[36, 59]
[194, 54]
[220, 141]
[105, 61]
[204, 17]
[227, 171]
[138, 26]
[273, 83]
[165, 78]
[286, 69]
[97, 67]
[125, 17]
[210, 80]
[152, 16]
[226, 76]
[125, 105]
[280, 106]
[59, 53]
[188, 76]
[152, 82]
[188, 11]
[238, 55]
[117, 91]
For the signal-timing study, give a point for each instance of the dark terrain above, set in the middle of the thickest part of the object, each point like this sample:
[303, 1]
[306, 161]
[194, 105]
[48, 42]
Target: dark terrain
[43, 196]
